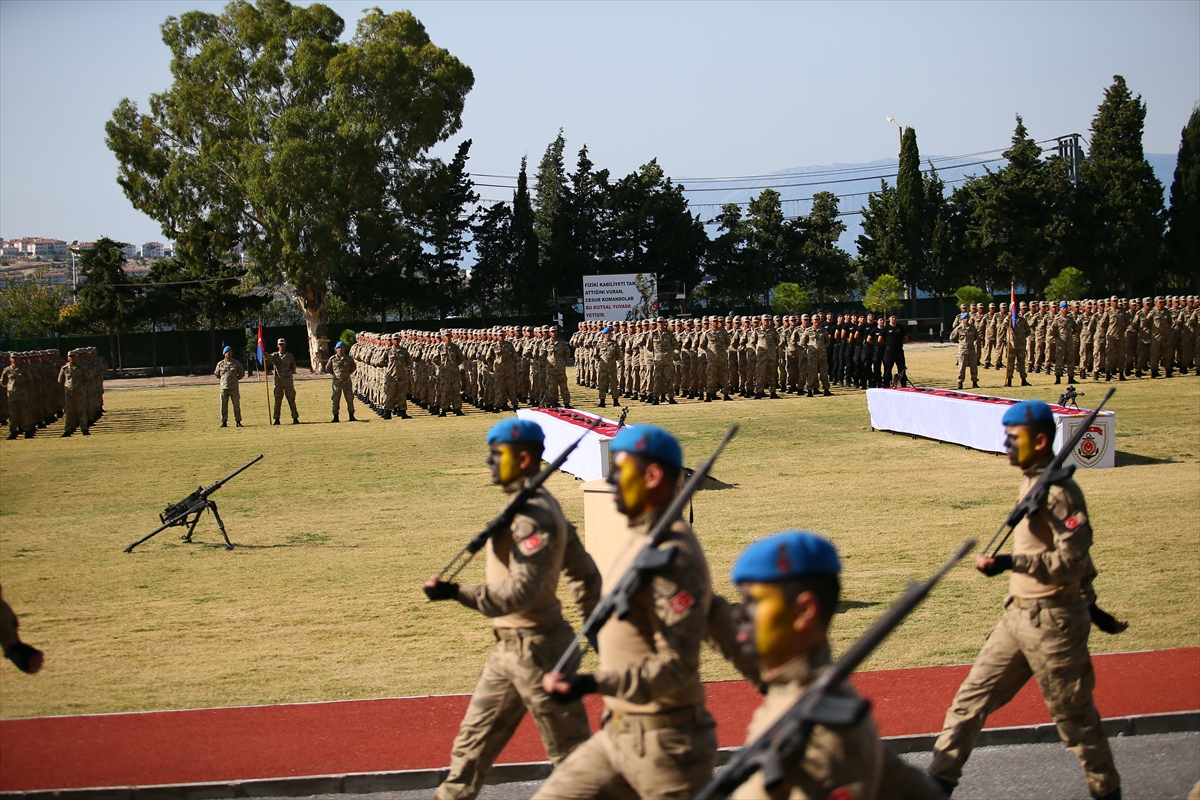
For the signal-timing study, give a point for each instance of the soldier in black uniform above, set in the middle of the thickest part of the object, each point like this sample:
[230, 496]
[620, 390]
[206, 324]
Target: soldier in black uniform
[877, 354]
[894, 338]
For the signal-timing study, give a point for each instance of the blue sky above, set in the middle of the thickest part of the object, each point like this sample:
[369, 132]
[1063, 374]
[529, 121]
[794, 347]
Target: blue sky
[709, 89]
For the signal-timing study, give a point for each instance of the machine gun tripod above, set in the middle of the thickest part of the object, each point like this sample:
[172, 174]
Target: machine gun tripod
[189, 510]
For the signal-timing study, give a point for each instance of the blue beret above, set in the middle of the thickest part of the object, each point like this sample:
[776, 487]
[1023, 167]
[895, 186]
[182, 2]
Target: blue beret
[515, 429]
[1028, 412]
[339, 344]
[786, 555]
[1063, 304]
[648, 441]
[607, 330]
[227, 349]
[964, 315]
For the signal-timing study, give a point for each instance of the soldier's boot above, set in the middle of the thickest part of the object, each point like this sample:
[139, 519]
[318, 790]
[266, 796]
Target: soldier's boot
[352, 419]
[960, 384]
[387, 414]
[726, 397]
[1153, 373]
[988, 365]
[670, 400]
[441, 412]
[224, 424]
[239, 424]
[708, 397]
[974, 384]
[30, 432]
[295, 420]
[1058, 378]
[404, 415]
[12, 435]
[458, 412]
[85, 432]
[276, 421]
[1169, 371]
[654, 402]
[1025, 382]
[1121, 376]
[601, 404]
[827, 393]
[809, 393]
[65, 434]
[1008, 382]
[774, 396]
[335, 417]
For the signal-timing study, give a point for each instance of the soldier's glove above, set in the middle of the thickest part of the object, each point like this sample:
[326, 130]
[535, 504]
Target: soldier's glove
[999, 564]
[442, 591]
[28, 659]
[580, 685]
[1104, 620]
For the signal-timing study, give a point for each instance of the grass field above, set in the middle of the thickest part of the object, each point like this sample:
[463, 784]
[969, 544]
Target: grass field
[338, 526]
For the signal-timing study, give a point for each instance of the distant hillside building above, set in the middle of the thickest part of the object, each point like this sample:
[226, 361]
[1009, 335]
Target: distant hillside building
[129, 250]
[152, 251]
[36, 247]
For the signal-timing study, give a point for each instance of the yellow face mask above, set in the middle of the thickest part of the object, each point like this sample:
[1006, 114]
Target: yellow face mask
[505, 463]
[1021, 445]
[773, 619]
[631, 485]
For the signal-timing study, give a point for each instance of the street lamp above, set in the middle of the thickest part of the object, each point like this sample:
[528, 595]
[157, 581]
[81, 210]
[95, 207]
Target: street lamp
[899, 129]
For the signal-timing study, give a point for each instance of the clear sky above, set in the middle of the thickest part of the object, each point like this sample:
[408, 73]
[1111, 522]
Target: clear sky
[709, 89]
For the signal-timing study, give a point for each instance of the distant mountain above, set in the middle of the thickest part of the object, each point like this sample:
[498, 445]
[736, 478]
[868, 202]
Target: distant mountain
[853, 183]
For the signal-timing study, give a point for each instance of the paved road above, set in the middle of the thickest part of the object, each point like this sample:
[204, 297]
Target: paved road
[1160, 767]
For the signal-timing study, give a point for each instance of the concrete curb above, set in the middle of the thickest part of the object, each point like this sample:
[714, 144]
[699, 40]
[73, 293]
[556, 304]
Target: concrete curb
[408, 780]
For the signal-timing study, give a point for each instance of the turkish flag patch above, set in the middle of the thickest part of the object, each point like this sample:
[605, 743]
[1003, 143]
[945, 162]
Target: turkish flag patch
[840, 793]
[1071, 523]
[681, 602]
[531, 543]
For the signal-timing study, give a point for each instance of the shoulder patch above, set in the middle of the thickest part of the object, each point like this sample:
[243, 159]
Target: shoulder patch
[681, 602]
[841, 793]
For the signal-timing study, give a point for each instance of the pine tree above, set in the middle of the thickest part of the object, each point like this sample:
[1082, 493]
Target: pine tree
[490, 287]
[1183, 231]
[1121, 219]
[769, 252]
[826, 268]
[590, 217]
[879, 244]
[552, 220]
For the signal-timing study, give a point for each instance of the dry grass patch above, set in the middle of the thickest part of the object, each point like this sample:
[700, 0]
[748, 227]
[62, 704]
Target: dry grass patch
[339, 524]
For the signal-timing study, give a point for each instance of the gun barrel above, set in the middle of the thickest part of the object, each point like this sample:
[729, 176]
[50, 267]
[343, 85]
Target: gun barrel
[233, 474]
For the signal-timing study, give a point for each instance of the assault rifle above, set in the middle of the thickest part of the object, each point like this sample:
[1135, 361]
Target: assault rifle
[649, 561]
[1054, 475]
[505, 517]
[788, 737]
[177, 514]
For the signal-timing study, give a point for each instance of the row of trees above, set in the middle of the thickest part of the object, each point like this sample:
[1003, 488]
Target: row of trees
[312, 154]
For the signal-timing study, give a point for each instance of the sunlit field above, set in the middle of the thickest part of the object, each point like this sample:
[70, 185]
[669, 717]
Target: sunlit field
[338, 526]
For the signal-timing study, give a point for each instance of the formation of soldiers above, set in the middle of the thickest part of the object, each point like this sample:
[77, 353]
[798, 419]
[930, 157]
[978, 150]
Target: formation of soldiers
[494, 369]
[711, 358]
[1116, 337]
[40, 387]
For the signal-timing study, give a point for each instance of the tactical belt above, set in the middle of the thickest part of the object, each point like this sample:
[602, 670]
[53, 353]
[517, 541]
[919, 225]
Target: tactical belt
[514, 634]
[1058, 601]
[651, 722]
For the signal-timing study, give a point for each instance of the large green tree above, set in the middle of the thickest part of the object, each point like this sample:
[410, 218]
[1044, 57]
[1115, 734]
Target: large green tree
[827, 269]
[531, 295]
[31, 307]
[1119, 236]
[280, 134]
[490, 288]
[1183, 219]
[910, 215]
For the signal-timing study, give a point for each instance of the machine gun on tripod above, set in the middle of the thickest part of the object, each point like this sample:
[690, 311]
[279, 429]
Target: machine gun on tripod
[188, 510]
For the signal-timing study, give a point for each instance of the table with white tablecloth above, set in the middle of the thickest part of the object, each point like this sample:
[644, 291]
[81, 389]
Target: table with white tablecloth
[563, 427]
[973, 420]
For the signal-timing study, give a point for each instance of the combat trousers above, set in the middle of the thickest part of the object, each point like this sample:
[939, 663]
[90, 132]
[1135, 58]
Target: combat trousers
[607, 385]
[664, 379]
[1159, 352]
[226, 396]
[1001, 352]
[718, 377]
[732, 376]
[1049, 644]
[966, 358]
[1064, 356]
[557, 385]
[632, 758]
[290, 393]
[1143, 356]
[768, 375]
[394, 397]
[511, 684]
[75, 414]
[505, 391]
[1099, 354]
[1016, 358]
[896, 360]
[450, 391]
[818, 369]
[340, 389]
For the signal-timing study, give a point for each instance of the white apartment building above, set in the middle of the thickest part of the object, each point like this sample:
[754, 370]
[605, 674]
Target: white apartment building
[152, 250]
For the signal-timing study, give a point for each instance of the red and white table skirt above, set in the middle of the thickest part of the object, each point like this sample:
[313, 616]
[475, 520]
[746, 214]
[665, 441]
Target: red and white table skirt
[563, 427]
[973, 420]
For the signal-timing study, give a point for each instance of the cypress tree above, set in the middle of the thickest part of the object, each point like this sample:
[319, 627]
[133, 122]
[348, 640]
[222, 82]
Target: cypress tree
[910, 214]
[1183, 220]
[531, 295]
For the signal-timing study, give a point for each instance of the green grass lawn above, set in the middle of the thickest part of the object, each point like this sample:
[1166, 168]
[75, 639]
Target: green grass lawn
[338, 526]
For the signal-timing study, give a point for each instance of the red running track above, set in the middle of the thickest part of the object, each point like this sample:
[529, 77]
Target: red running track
[226, 744]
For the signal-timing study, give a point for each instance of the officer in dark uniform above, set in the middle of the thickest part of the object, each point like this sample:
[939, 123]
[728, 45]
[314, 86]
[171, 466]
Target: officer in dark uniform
[894, 338]
[877, 353]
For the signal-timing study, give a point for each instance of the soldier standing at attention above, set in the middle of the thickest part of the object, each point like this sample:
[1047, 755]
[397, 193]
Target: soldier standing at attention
[608, 353]
[558, 353]
[1062, 335]
[894, 338]
[230, 371]
[966, 337]
[521, 597]
[284, 364]
[341, 366]
[1044, 631]
[657, 739]
[1018, 336]
[73, 380]
[17, 380]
